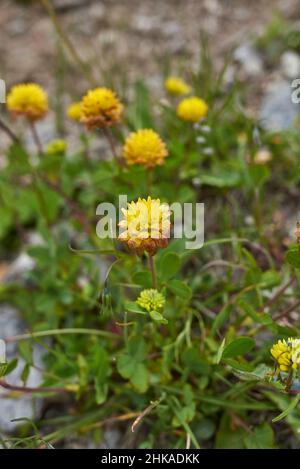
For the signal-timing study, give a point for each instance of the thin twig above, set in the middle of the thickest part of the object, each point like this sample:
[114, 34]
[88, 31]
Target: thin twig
[146, 412]
[287, 311]
[33, 335]
[9, 132]
[11, 387]
[110, 140]
[36, 137]
[278, 293]
[117, 418]
[153, 271]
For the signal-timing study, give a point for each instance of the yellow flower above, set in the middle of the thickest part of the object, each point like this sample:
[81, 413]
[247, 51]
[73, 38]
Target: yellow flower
[56, 147]
[192, 109]
[151, 300]
[145, 225]
[287, 354]
[74, 111]
[295, 353]
[29, 100]
[100, 108]
[145, 147]
[176, 85]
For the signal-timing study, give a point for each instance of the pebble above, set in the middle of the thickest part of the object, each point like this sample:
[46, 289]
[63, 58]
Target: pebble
[25, 406]
[290, 64]
[277, 111]
[249, 59]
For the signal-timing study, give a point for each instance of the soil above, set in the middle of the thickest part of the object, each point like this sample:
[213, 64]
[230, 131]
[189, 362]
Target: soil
[136, 34]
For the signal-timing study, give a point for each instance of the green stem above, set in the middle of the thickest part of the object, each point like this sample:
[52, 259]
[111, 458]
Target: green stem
[9, 132]
[111, 142]
[153, 271]
[52, 332]
[36, 137]
[257, 211]
[149, 177]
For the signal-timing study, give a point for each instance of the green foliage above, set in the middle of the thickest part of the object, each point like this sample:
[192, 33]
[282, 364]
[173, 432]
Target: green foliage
[200, 368]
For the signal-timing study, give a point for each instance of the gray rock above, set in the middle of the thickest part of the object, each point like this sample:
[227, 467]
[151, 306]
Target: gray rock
[24, 406]
[22, 264]
[278, 112]
[17, 26]
[290, 64]
[145, 23]
[249, 59]
[111, 440]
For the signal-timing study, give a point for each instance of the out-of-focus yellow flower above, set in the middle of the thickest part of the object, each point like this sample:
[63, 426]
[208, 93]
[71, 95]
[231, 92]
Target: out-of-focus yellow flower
[145, 226]
[100, 108]
[151, 300]
[145, 147]
[74, 111]
[176, 86]
[276, 139]
[29, 100]
[242, 138]
[287, 354]
[56, 147]
[192, 109]
[296, 353]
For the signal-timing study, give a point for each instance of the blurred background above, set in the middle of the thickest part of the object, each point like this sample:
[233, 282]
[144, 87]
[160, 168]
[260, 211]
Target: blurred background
[120, 41]
[136, 36]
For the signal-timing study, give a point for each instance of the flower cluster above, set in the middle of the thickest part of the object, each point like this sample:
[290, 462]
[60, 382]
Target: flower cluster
[146, 225]
[287, 354]
[192, 109]
[56, 147]
[28, 100]
[177, 86]
[151, 300]
[74, 111]
[145, 147]
[100, 108]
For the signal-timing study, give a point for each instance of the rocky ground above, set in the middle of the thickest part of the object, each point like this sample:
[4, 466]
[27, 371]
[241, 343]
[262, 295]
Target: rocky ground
[137, 37]
[134, 34]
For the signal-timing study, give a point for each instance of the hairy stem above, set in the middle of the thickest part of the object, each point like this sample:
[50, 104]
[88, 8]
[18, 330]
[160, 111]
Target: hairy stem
[36, 137]
[153, 271]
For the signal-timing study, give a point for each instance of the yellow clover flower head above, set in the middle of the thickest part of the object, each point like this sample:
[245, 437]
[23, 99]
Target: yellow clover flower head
[56, 147]
[151, 300]
[287, 354]
[145, 225]
[145, 147]
[177, 86]
[192, 109]
[100, 108]
[74, 111]
[29, 100]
